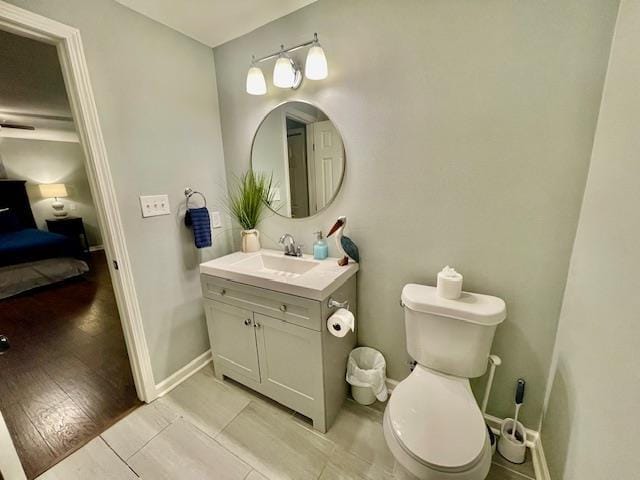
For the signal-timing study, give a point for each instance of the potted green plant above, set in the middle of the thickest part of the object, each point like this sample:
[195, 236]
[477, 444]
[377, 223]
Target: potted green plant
[249, 196]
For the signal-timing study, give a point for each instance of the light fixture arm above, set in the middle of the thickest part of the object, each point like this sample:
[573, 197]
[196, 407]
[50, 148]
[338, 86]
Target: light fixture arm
[285, 50]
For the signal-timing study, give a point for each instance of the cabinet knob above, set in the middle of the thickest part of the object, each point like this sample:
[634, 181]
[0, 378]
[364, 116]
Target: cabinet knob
[223, 292]
[257, 325]
[247, 322]
[283, 308]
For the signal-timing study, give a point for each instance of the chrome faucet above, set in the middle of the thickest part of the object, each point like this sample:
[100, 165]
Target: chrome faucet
[291, 249]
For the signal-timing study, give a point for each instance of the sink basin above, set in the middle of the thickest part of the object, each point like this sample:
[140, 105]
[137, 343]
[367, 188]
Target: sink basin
[276, 265]
[271, 269]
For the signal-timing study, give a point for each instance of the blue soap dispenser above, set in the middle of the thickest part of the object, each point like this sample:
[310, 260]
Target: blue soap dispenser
[320, 247]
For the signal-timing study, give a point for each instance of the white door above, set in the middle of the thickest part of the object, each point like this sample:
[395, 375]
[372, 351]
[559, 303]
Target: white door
[328, 156]
[10, 466]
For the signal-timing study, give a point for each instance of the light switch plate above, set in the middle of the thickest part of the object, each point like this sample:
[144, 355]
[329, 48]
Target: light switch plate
[154, 205]
[216, 222]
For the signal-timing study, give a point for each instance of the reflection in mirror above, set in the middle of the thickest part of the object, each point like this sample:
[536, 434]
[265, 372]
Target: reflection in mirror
[300, 147]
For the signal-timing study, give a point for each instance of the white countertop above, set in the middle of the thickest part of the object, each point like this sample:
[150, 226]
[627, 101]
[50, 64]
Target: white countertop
[317, 283]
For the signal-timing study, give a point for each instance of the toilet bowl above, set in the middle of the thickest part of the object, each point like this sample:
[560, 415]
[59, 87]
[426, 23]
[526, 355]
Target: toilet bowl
[432, 424]
[435, 430]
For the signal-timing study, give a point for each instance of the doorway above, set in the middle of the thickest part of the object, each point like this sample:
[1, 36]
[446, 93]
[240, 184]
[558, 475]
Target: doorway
[314, 159]
[68, 44]
[298, 177]
[66, 376]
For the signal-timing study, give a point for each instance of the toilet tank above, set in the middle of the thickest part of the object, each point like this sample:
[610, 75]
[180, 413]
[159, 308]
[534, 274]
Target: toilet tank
[451, 336]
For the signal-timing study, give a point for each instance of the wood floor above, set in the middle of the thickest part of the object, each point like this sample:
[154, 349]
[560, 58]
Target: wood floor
[66, 377]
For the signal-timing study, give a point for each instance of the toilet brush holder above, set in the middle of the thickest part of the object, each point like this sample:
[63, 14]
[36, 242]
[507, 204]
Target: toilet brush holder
[493, 440]
[512, 449]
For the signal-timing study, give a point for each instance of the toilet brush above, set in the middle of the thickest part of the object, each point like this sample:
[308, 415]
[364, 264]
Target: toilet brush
[519, 399]
[512, 443]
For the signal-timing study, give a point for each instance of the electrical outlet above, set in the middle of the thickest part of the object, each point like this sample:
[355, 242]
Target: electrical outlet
[154, 205]
[216, 222]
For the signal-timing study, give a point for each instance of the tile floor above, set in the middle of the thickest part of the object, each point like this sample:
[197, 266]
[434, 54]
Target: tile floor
[207, 429]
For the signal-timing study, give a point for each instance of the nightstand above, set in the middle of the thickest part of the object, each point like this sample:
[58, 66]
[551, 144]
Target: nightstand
[72, 227]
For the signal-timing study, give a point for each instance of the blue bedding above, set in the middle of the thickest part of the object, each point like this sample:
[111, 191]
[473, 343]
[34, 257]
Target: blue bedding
[30, 245]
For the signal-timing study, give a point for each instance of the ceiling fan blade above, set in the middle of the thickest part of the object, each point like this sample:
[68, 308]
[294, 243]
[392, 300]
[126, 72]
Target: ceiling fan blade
[16, 126]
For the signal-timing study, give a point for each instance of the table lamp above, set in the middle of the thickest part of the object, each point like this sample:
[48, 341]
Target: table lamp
[55, 191]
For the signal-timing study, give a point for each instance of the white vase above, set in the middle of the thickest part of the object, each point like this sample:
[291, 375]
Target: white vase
[250, 241]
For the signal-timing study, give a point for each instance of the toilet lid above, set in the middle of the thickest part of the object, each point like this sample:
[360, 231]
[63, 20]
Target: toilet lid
[437, 421]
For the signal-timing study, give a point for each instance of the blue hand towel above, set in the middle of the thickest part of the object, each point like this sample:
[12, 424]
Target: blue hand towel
[198, 220]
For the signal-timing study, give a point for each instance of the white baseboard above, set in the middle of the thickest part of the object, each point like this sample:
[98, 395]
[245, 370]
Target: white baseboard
[539, 461]
[533, 443]
[181, 375]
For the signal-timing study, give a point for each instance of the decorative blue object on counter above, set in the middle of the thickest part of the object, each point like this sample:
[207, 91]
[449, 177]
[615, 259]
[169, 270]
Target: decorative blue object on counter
[345, 245]
[320, 248]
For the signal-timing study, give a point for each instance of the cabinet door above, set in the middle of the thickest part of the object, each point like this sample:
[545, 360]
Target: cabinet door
[233, 338]
[290, 363]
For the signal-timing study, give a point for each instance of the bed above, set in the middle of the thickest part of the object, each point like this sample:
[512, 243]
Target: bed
[29, 257]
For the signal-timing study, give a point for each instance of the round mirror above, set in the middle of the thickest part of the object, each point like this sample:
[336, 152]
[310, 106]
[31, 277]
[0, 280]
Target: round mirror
[299, 147]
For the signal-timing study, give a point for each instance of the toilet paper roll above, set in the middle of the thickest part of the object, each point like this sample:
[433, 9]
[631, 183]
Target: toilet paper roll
[449, 284]
[341, 322]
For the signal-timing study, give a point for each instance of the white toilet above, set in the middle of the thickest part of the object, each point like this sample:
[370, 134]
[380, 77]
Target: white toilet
[432, 423]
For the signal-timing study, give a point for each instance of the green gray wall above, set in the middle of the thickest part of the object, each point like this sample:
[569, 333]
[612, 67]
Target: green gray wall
[468, 129]
[156, 95]
[591, 423]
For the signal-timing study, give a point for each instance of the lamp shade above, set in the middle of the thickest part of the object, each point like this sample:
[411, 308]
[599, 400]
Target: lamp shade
[315, 67]
[284, 75]
[53, 190]
[256, 84]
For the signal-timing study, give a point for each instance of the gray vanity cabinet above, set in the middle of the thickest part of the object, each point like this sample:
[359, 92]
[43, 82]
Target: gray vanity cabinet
[233, 338]
[290, 362]
[279, 345]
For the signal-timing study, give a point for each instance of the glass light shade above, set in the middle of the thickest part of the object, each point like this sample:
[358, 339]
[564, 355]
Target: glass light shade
[256, 85]
[284, 75]
[316, 65]
[53, 190]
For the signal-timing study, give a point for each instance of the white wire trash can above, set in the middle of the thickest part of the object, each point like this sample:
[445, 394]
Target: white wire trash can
[366, 373]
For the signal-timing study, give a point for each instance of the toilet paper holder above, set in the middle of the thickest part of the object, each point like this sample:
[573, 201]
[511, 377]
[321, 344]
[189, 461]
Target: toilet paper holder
[331, 303]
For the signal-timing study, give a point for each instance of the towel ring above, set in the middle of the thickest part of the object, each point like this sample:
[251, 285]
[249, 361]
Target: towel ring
[189, 192]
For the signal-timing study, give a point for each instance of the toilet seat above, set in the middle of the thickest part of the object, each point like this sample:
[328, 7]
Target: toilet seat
[436, 421]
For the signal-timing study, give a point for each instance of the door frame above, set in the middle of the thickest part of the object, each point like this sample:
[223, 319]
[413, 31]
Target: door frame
[298, 116]
[73, 63]
[303, 134]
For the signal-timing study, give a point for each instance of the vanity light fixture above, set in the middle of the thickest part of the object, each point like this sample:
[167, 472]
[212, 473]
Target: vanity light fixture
[286, 73]
[256, 84]
[315, 68]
